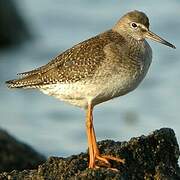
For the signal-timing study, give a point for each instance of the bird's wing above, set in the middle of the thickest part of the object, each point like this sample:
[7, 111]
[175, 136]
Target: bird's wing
[73, 65]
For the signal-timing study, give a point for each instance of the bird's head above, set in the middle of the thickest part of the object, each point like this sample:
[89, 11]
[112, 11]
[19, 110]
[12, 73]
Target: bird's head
[136, 24]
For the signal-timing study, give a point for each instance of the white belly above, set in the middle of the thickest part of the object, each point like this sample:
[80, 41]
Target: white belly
[81, 93]
[99, 89]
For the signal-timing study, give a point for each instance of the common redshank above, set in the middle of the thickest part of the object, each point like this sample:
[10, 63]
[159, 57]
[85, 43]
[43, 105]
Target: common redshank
[96, 70]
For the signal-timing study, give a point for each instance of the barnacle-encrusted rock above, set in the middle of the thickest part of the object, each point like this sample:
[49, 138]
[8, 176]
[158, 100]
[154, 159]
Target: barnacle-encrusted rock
[147, 157]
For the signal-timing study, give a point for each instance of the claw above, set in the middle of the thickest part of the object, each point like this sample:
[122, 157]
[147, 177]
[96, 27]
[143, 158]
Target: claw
[103, 161]
[114, 158]
[102, 158]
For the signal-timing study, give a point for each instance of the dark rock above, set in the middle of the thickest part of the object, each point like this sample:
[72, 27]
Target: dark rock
[13, 28]
[147, 157]
[17, 155]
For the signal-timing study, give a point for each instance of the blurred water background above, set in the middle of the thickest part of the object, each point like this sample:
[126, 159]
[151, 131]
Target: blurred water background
[55, 128]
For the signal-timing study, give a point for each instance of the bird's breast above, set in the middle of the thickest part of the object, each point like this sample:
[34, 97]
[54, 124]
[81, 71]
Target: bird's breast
[117, 75]
[125, 73]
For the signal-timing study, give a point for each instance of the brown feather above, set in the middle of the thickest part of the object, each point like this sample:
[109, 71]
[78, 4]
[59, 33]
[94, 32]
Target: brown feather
[73, 65]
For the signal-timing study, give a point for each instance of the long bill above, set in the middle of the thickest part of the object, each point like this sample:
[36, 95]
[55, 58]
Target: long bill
[156, 38]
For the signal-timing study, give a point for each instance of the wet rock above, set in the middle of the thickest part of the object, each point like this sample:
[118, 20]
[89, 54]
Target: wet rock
[17, 155]
[13, 28]
[147, 157]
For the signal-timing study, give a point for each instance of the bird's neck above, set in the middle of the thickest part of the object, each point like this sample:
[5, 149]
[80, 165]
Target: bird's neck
[135, 48]
[129, 40]
[124, 33]
[133, 42]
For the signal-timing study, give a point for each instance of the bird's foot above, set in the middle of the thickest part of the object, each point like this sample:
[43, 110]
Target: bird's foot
[103, 161]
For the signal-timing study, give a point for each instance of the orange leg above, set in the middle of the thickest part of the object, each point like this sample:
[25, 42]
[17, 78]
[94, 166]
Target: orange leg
[92, 144]
[89, 124]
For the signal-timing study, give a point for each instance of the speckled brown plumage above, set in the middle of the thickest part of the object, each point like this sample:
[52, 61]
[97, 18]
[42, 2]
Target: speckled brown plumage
[77, 63]
[83, 59]
[101, 68]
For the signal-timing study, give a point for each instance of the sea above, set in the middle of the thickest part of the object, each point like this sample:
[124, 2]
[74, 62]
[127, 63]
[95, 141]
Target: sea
[55, 128]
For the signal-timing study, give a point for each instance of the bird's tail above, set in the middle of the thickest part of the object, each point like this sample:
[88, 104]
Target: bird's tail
[29, 81]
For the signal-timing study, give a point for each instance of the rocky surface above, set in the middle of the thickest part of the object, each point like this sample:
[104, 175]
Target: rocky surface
[147, 157]
[17, 155]
[13, 28]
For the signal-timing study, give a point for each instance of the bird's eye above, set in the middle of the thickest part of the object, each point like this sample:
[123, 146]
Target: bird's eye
[134, 25]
